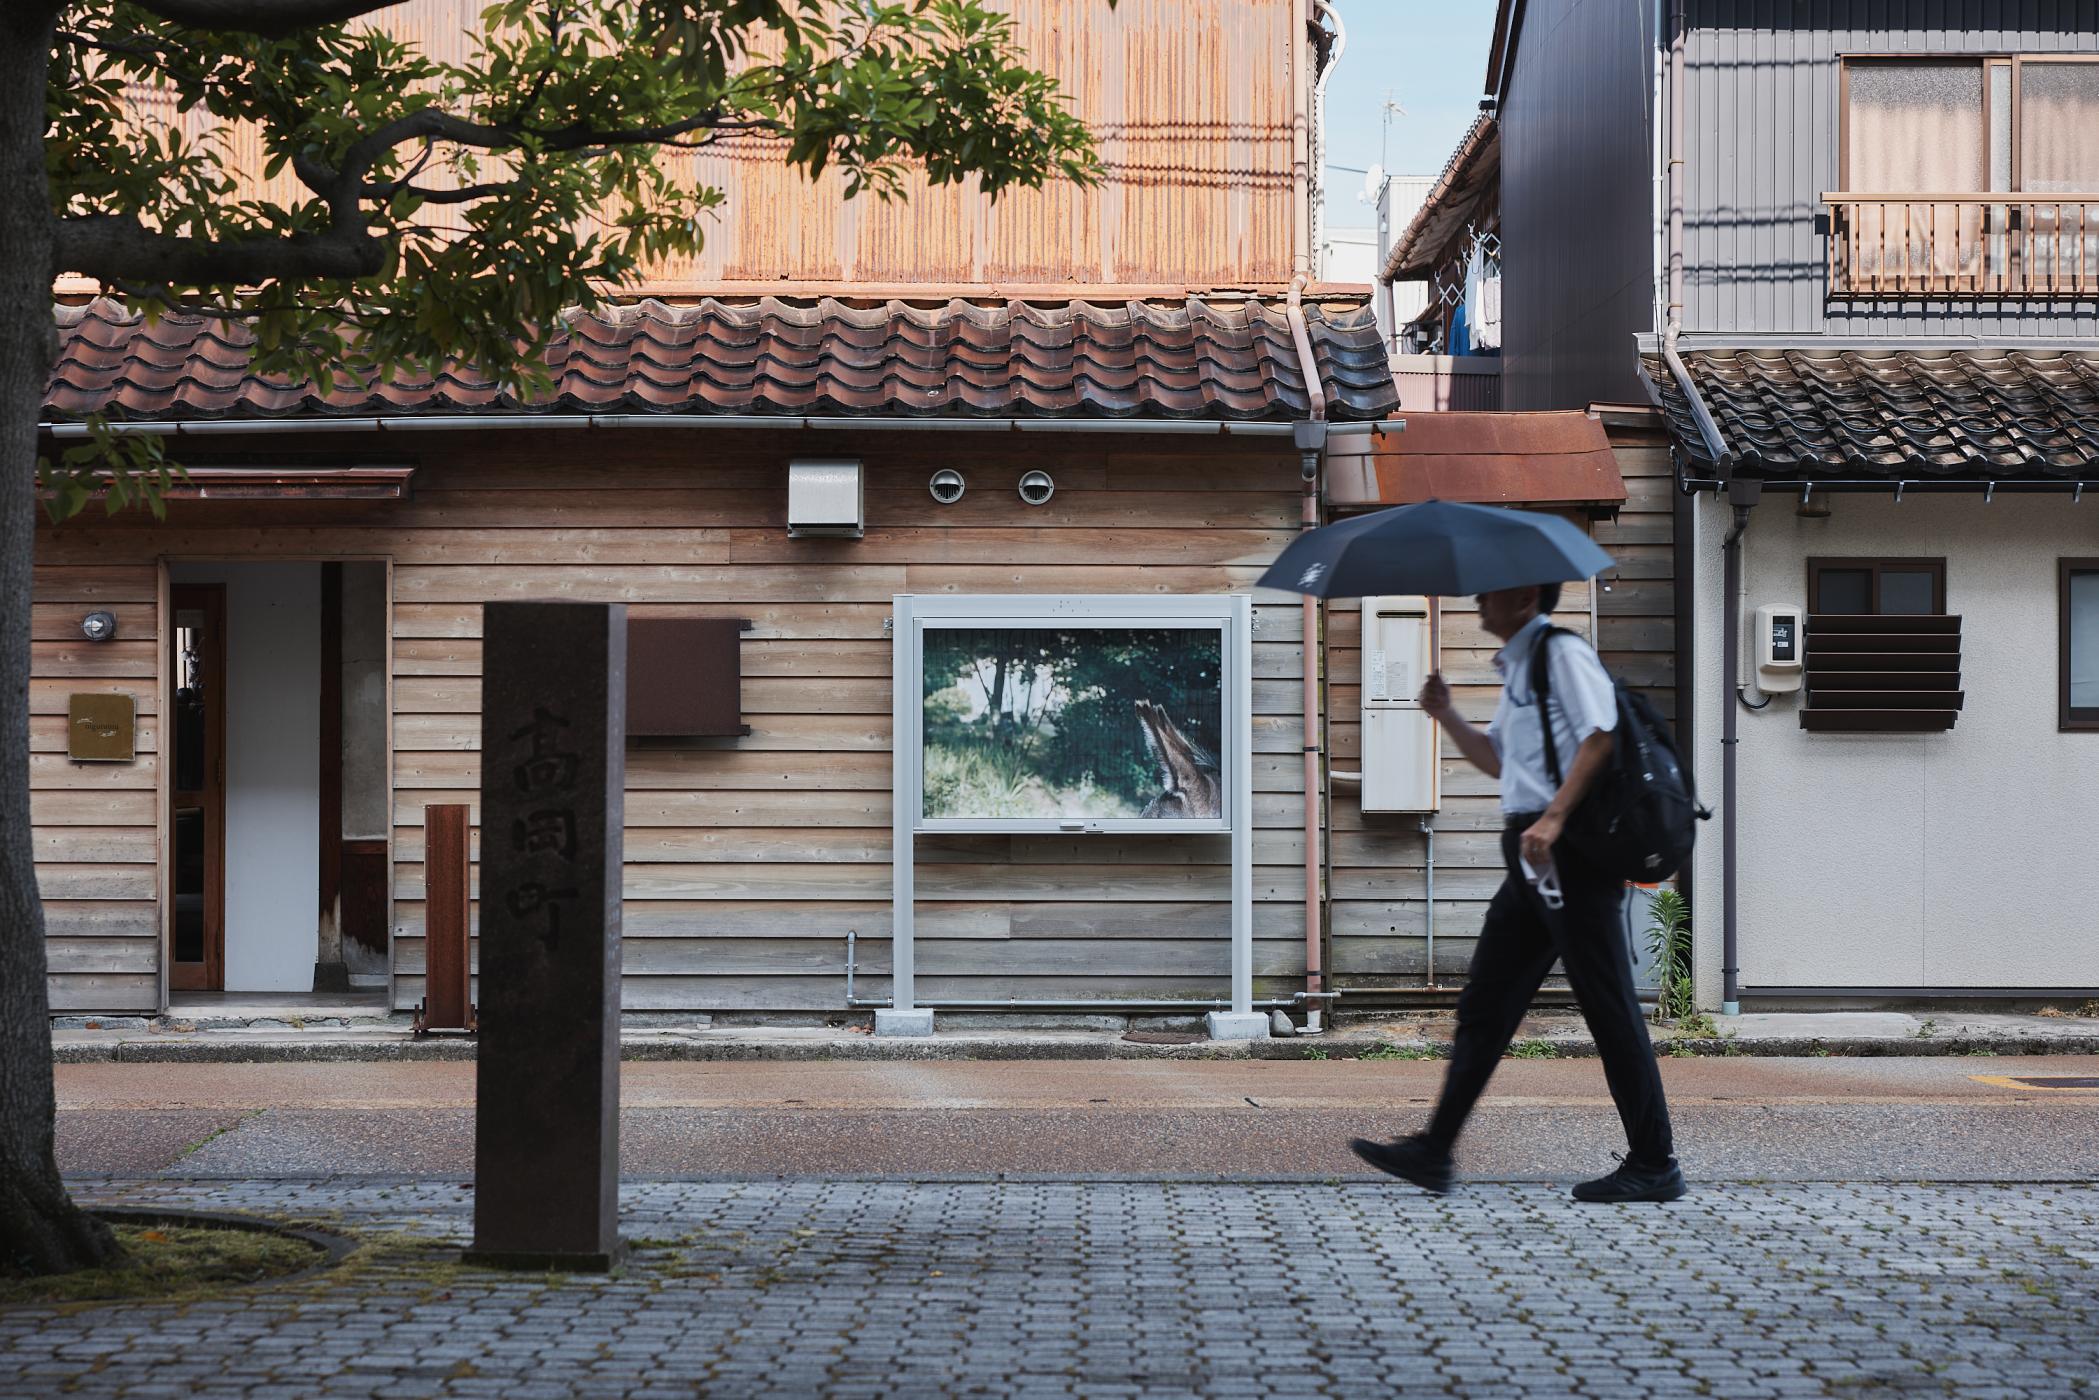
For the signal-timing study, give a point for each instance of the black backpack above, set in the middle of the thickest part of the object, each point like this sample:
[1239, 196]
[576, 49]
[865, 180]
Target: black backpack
[1640, 818]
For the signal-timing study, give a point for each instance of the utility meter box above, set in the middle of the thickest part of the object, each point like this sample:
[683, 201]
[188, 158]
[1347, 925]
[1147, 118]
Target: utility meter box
[1781, 648]
[1401, 768]
[825, 497]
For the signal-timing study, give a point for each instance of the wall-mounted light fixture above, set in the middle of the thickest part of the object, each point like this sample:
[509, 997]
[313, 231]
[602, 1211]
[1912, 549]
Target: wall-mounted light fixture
[99, 626]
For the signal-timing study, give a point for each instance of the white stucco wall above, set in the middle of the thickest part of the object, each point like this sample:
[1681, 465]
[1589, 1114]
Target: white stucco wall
[1962, 859]
[273, 756]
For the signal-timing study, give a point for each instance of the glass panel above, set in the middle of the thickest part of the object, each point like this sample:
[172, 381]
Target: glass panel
[2000, 126]
[2058, 119]
[1914, 128]
[189, 885]
[1844, 591]
[1908, 591]
[1917, 127]
[2083, 660]
[190, 728]
[2058, 116]
[1073, 722]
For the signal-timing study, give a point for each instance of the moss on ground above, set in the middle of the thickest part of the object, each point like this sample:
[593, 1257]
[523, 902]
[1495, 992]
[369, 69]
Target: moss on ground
[175, 1263]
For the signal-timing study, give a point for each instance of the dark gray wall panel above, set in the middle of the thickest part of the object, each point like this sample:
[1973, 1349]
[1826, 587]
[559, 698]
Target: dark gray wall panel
[1762, 113]
[1577, 203]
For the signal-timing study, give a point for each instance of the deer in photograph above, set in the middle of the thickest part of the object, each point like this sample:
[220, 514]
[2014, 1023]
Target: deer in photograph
[1188, 777]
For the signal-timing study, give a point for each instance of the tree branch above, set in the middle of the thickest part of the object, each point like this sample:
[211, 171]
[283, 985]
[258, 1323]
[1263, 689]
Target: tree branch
[119, 248]
[273, 19]
[465, 194]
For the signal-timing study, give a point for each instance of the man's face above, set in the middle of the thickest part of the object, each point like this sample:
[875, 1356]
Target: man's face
[1504, 611]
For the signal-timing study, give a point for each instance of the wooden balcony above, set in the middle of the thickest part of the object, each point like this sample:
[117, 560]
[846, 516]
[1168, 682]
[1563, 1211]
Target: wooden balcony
[1963, 245]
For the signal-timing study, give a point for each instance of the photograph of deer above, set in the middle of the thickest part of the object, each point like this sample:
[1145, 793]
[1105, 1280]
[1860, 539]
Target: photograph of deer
[1080, 722]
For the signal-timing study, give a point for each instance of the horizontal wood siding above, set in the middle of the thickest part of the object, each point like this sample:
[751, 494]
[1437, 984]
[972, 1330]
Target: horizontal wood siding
[1377, 871]
[749, 860]
[95, 826]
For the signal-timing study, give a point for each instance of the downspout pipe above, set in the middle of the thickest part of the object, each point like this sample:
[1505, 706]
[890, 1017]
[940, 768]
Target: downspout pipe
[1742, 494]
[1311, 449]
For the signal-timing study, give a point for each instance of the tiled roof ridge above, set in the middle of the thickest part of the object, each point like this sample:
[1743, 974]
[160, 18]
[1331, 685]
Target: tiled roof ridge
[1894, 412]
[1184, 358]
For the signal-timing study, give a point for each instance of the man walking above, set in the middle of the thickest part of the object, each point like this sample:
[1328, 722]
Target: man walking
[1549, 906]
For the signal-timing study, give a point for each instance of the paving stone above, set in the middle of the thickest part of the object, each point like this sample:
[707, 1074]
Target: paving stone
[864, 1289]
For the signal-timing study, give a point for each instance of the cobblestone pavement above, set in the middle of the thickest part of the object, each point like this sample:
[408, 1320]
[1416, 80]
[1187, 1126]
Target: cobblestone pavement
[1133, 1288]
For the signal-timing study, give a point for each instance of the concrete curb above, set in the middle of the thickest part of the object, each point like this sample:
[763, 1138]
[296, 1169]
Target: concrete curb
[1774, 1047]
[248, 1050]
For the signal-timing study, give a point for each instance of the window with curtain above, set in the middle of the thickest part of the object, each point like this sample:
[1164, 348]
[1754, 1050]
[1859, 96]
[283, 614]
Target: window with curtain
[2022, 125]
[2080, 644]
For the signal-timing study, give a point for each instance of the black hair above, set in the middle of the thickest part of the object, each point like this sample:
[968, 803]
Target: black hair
[1548, 598]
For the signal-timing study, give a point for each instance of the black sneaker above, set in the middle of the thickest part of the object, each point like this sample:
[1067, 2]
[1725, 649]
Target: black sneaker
[1413, 1159]
[1632, 1183]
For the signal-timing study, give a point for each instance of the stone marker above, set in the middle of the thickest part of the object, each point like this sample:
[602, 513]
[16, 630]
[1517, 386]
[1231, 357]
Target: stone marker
[553, 774]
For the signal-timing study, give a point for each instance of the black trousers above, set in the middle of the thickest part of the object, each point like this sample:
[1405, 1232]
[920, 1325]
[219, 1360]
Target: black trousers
[1517, 947]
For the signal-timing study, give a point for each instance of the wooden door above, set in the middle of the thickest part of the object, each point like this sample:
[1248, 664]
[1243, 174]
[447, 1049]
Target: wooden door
[197, 789]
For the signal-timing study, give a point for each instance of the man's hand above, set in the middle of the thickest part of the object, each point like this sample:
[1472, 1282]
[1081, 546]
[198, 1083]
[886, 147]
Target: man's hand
[1471, 742]
[1435, 698]
[1539, 838]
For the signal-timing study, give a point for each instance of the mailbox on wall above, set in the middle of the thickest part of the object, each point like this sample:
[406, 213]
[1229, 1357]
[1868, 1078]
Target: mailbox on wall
[1401, 772]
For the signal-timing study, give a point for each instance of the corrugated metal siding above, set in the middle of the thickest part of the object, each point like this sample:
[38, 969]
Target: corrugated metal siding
[1191, 102]
[1435, 382]
[1577, 202]
[1762, 94]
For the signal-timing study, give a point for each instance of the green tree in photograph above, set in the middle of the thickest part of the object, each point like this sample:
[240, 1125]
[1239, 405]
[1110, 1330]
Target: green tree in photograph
[1043, 722]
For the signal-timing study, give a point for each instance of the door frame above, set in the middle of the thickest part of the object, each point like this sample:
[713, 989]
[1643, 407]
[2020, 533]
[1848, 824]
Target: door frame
[211, 597]
[165, 837]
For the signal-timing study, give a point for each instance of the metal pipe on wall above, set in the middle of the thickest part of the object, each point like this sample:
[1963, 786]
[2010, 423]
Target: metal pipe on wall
[1311, 445]
[1742, 495]
[1428, 893]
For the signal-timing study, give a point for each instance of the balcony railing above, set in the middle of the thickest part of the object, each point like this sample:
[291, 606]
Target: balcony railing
[1963, 245]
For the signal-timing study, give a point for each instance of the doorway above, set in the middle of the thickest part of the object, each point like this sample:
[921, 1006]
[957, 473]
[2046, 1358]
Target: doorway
[280, 794]
[197, 788]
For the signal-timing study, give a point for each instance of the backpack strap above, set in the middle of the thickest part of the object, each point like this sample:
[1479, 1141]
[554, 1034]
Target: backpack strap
[1541, 693]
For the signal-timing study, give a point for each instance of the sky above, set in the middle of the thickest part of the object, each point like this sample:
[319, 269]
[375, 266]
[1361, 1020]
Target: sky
[1430, 58]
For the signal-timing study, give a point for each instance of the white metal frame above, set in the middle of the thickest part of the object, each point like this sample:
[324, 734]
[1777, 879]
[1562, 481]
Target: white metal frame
[1230, 614]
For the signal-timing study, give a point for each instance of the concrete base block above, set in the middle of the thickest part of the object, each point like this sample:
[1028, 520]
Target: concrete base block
[1231, 1025]
[892, 1022]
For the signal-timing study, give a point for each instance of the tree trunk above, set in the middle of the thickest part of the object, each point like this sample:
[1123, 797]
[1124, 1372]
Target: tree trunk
[41, 1230]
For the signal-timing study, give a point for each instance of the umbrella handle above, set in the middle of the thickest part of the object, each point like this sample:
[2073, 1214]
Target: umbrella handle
[1435, 635]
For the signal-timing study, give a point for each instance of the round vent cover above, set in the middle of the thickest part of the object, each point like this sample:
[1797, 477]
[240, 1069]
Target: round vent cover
[1036, 488]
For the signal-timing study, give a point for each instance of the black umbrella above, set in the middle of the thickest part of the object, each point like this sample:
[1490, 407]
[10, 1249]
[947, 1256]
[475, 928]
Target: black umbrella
[1439, 548]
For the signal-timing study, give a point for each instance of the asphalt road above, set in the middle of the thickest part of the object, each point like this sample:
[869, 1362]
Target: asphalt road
[1940, 1118]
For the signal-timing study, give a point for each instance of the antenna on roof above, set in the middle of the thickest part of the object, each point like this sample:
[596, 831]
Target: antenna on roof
[1387, 112]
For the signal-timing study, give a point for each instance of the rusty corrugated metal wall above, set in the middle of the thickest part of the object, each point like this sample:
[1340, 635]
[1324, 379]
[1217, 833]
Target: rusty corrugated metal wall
[1191, 102]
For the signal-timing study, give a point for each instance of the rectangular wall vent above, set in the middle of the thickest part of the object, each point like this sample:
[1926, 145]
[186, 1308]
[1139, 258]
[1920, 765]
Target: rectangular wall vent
[1882, 672]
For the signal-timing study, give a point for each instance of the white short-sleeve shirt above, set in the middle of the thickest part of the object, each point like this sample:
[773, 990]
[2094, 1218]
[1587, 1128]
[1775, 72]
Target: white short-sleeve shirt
[1583, 702]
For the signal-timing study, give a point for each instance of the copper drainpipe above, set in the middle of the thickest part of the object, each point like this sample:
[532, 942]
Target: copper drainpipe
[1311, 445]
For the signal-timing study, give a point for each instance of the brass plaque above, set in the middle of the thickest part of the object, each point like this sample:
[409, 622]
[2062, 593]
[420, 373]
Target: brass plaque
[101, 728]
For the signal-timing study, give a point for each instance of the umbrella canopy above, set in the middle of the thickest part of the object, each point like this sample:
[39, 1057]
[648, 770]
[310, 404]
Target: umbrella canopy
[1437, 547]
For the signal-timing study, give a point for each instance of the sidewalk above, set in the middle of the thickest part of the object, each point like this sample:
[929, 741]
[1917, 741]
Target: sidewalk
[269, 1038]
[1139, 1290]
